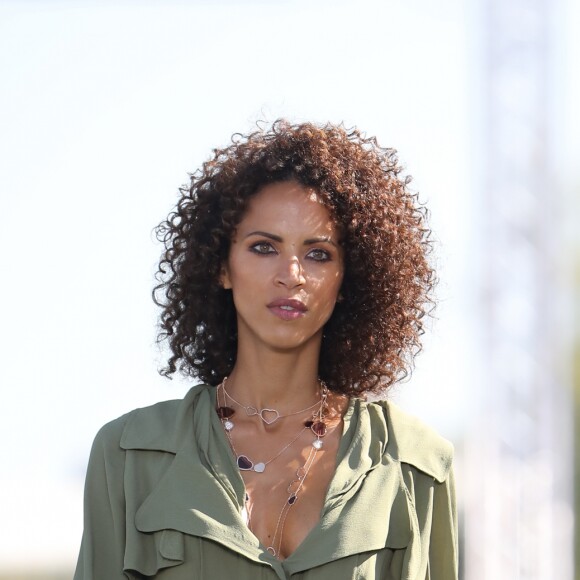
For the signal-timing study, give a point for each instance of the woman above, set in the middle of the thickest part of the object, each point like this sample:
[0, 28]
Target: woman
[293, 284]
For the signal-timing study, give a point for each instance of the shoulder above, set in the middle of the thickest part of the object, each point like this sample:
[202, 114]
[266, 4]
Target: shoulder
[151, 427]
[413, 442]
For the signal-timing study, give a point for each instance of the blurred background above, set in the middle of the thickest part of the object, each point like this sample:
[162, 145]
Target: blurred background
[106, 106]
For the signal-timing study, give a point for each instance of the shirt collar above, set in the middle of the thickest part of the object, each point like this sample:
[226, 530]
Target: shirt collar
[202, 491]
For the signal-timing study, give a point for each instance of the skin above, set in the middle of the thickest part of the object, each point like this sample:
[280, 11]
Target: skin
[287, 246]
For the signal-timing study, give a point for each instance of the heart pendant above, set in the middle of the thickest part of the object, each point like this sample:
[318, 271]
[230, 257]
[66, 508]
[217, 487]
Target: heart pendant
[269, 416]
[244, 463]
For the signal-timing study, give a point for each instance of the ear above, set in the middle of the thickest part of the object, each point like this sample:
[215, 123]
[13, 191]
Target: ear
[225, 281]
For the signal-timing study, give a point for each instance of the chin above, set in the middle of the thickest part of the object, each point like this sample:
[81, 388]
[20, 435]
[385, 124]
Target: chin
[288, 343]
[280, 336]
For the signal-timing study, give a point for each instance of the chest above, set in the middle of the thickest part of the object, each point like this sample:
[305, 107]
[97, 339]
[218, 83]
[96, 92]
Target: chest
[285, 502]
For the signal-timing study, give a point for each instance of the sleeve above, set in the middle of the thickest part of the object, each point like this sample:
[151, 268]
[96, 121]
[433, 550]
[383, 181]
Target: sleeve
[443, 545]
[102, 547]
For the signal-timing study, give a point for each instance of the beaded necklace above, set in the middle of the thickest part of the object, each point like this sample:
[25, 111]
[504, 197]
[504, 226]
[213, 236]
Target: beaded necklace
[316, 424]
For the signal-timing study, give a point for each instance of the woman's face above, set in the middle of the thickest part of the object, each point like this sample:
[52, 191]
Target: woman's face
[285, 268]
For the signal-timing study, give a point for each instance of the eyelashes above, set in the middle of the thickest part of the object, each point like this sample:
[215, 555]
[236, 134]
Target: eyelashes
[267, 249]
[262, 248]
[319, 255]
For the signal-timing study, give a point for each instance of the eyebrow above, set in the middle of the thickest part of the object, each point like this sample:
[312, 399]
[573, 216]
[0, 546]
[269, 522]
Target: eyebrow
[307, 242]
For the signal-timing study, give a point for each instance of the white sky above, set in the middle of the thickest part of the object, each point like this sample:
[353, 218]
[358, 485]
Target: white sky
[104, 108]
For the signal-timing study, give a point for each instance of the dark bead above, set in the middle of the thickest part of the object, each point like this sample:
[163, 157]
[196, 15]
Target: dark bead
[309, 423]
[319, 428]
[224, 412]
[292, 499]
[244, 463]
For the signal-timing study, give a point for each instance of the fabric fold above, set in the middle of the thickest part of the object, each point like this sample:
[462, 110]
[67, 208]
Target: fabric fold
[182, 489]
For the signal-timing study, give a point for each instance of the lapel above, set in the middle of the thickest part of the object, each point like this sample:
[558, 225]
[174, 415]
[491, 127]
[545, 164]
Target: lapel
[200, 491]
[367, 506]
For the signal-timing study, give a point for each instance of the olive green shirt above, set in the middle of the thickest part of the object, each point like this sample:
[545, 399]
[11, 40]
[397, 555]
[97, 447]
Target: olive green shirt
[163, 499]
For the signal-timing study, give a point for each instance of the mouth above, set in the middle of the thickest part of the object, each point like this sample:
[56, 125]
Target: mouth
[287, 309]
[288, 304]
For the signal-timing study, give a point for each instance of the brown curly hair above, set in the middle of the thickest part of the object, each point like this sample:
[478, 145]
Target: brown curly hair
[373, 334]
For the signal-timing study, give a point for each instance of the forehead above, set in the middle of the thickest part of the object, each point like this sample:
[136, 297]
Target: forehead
[288, 203]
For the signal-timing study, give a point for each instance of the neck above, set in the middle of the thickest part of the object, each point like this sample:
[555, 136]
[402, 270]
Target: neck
[280, 380]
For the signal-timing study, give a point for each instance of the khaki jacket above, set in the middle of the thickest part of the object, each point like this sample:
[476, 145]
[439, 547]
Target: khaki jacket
[163, 499]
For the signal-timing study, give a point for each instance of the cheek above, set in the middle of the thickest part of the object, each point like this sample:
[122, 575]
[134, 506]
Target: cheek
[248, 279]
[250, 273]
[330, 280]
[327, 288]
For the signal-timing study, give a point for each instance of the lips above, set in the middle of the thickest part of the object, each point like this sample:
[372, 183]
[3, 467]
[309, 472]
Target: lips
[287, 309]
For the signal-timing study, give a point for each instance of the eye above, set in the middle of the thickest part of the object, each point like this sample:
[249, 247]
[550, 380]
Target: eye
[319, 255]
[262, 248]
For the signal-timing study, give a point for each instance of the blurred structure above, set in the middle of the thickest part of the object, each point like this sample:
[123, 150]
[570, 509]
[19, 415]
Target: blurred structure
[519, 514]
[577, 421]
[577, 426]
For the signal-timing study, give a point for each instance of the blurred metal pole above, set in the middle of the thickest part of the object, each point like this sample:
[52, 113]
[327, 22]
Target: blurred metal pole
[519, 502]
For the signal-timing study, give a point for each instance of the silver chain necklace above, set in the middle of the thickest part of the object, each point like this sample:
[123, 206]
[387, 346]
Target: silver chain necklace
[243, 461]
[267, 415]
[294, 488]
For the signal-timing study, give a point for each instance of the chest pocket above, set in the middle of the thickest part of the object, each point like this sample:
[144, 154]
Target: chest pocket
[385, 564]
[165, 550]
[180, 556]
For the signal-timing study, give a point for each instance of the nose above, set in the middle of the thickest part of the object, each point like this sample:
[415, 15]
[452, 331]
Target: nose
[290, 273]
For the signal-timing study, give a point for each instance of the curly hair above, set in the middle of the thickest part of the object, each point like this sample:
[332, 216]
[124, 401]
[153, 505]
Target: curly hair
[374, 333]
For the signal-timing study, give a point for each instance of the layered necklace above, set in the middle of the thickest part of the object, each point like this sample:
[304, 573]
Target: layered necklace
[269, 416]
